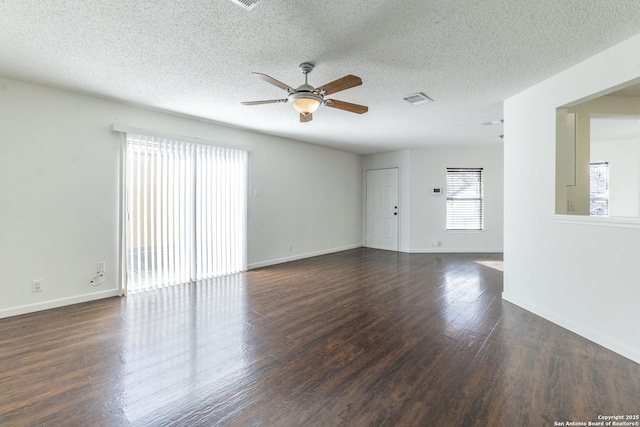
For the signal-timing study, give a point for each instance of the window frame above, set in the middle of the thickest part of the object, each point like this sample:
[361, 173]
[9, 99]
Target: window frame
[462, 218]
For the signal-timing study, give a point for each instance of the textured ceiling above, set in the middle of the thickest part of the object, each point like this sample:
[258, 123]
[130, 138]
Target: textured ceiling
[196, 58]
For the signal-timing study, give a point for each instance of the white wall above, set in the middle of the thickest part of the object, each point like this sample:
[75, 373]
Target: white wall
[309, 197]
[422, 215]
[579, 272]
[428, 212]
[59, 193]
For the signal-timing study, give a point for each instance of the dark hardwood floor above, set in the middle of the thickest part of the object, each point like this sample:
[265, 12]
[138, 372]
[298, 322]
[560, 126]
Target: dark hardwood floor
[357, 338]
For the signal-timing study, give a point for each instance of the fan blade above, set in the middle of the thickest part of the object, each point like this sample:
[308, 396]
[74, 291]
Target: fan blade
[306, 117]
[274, 82]
[347, 106]
[268, 101]
[345, 82]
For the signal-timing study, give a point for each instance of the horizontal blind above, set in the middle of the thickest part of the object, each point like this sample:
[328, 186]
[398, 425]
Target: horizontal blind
[599, 189]
[465, 199]
[186, 206]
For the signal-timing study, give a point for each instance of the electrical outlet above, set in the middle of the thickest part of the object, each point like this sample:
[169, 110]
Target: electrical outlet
[101, 267]
[37, 285]
[290, 247]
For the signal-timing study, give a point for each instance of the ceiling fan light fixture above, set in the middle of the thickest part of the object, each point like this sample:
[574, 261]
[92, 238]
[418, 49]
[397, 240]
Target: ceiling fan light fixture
[306, 99]
[305, 102]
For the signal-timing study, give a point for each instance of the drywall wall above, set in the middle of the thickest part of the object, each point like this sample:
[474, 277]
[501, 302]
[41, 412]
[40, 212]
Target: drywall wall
[428, 212]
[422, 215]
[60, 200]
[304, 196]
[565, 159]
[579, 272]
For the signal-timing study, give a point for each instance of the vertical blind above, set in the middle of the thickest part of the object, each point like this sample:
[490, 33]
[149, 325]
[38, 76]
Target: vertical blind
[465, 199]
[186, 211]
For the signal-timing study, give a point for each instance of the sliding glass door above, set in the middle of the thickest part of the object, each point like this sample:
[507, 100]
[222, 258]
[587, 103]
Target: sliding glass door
[186, 211]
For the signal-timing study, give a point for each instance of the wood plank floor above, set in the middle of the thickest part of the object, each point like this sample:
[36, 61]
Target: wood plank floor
[357, 338]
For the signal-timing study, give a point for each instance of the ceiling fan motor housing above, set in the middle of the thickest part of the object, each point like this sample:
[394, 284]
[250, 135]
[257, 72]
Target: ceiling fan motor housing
[306, 67]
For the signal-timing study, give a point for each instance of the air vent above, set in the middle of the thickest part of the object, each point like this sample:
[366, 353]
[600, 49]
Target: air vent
[247, 4]
[417, 98]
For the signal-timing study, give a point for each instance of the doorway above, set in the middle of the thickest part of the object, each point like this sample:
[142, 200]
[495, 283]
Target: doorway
[185, 212]
[382, 209]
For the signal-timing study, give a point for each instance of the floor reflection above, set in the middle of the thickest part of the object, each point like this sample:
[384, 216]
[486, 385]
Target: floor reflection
[463, 306]
[182, 339]
[498, 265]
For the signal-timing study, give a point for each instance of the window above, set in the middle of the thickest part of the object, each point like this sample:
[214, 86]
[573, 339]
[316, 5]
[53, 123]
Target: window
[599, 189]
[465, 199]
[186, 211]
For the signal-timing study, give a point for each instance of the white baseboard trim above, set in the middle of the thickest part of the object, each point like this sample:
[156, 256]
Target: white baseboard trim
[613, 345]
[441, 250]
[300, 256]
[45, 305]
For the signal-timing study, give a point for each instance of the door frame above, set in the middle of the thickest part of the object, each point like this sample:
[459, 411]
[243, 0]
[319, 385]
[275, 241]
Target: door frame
[365, 203]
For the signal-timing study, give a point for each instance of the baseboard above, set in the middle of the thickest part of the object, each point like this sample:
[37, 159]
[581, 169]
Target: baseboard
[300, 256]
[46, 305]
[441, 250]
[615, 346]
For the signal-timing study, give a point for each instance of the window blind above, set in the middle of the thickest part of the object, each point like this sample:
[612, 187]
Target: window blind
[599, 189]
[186, 211]
[465, 199]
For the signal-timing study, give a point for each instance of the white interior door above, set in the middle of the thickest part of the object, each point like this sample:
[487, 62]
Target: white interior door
[382, 209]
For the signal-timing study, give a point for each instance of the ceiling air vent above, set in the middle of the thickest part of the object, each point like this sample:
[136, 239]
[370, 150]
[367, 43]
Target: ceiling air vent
[417, 98]
[247, 4]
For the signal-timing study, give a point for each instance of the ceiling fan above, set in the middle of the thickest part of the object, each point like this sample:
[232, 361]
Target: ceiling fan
[306, 99]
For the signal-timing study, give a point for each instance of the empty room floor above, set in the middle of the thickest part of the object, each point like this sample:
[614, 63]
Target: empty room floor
[356, 338]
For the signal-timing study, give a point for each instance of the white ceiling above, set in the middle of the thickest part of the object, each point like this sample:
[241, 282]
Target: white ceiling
[196, 58]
